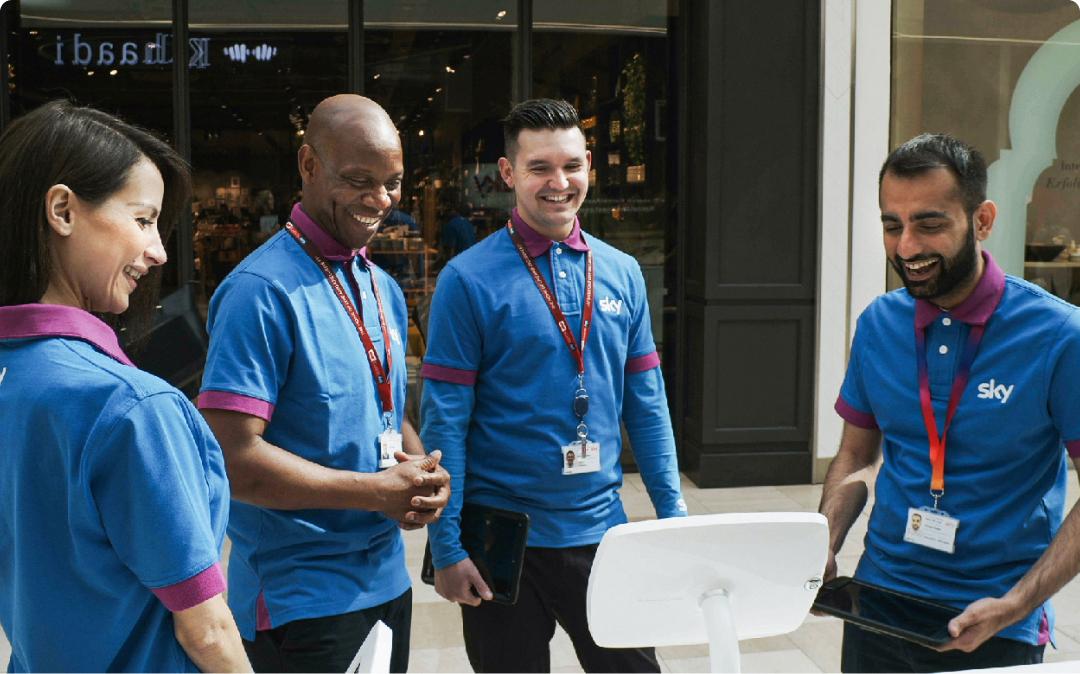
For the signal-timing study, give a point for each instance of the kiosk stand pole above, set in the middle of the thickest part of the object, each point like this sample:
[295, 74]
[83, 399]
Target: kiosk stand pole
[720, 626]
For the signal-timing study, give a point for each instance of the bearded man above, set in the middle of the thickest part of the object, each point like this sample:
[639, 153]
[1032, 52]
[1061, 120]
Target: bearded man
[988, 362]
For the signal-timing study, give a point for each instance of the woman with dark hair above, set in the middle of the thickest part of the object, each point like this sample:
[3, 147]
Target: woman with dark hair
[113, 495]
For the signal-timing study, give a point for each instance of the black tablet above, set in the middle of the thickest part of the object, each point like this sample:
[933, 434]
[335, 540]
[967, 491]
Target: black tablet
[495, 540]
[877, 609]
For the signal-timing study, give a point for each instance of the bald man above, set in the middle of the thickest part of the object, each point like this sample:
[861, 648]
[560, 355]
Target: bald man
[305, 389]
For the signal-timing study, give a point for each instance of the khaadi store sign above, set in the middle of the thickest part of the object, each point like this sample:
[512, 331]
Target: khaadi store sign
[77, 49]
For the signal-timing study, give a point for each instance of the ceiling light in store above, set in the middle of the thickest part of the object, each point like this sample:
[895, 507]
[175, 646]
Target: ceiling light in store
[420, 132]
[501, 14]
[89, 73]
[113, 71]
[438, 90]
[299, 132]
[467, 56]
[376, 76]
[223, 106]
[450, 70]
[430, 99]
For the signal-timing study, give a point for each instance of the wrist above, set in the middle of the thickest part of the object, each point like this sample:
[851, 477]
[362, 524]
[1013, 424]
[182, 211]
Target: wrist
[364, 490]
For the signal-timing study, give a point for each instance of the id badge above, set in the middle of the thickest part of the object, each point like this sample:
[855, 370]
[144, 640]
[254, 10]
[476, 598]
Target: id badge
[932, 529]
[389, 442]
[580, 459]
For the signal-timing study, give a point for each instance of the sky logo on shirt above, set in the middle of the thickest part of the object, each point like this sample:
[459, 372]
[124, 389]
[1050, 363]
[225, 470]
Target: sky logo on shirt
[395, 336]
[3, 373]
[992, 390]
[610, 306]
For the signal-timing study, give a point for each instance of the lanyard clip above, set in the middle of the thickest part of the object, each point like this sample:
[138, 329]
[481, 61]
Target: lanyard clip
[387, 420]
[936, 494]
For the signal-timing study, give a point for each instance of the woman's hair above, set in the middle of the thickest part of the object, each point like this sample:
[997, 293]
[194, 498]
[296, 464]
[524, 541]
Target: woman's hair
[89, 151]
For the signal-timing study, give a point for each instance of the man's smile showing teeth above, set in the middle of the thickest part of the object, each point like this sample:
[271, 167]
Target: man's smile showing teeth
[133, 273]
[920, 265]
[366, 221]
[557, 199]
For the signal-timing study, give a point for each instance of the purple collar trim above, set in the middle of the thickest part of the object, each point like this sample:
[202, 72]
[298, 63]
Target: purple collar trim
[328, 247]
[538, 244]
[23, 321]
[978, 307]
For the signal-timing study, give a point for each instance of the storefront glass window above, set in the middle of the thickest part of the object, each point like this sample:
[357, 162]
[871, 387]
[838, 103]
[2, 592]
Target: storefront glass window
[267, 66]
[611, 60]
[444, 72]
[115, 55]
[1002, 75]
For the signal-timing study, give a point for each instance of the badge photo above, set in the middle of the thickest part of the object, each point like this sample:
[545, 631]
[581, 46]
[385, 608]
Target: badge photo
[580, 458]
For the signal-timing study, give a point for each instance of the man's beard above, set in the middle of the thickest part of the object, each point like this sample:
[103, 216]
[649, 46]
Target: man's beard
[953, 272]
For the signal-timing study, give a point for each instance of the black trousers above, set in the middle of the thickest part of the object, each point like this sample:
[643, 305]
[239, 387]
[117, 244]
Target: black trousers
[501, 638]
[865, 651]
[329, 644]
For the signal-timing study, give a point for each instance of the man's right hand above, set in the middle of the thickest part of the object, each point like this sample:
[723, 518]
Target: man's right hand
[414, 492]
[829, 574]
[462, 583]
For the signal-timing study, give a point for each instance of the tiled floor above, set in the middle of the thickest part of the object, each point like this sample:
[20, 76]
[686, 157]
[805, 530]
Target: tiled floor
[814, 647]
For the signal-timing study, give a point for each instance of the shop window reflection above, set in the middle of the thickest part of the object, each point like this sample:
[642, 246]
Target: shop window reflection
[110, 54]
[248, 115]
[611, 60]
[444, 73]
[1002, 75]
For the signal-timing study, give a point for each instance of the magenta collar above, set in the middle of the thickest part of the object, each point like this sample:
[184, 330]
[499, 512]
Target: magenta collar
[22, 321]
[978, 307]
[328, 247]
[538, 244]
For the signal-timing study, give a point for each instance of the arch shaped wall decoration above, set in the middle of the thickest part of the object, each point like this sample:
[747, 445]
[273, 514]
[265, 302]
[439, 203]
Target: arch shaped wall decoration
[1046, 83]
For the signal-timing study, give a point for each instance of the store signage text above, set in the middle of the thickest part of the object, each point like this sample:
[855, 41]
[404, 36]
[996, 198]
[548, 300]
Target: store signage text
[112, 53]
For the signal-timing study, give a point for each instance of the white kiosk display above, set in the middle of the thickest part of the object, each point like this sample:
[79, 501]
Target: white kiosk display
[711, 579]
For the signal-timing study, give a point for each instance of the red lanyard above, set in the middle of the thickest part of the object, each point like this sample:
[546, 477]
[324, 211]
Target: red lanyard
[382, 377]
[553, 304]
[937, 444]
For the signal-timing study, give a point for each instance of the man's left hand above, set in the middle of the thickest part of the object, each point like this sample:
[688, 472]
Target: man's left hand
[981, 620]
[439, 490]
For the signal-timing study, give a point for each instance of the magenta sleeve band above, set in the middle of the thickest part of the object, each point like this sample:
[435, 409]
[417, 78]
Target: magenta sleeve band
[1074, 448]
[193, 591]
[234, 402]
[643, 363]
[854, 416]
[448, 374]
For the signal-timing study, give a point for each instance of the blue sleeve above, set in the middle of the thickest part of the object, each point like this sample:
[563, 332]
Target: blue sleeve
[450, 368]
[251, 339]
[149, 481]
[645, 414]
[1062, 364]
[853, 405]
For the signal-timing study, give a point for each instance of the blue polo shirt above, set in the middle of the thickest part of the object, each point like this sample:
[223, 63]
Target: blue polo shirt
[499, 382]
[283, 349]
[457, 235]
[113, 500]
[1005, 464]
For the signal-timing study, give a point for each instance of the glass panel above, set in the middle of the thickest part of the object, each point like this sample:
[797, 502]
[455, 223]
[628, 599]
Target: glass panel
[249, 108]
[82, 51]
[611, 59]
[115, 55]
[444, 73]
[1002, 75]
